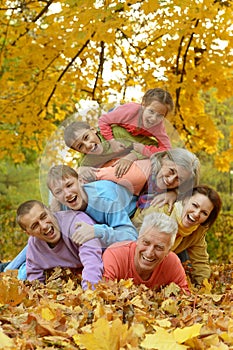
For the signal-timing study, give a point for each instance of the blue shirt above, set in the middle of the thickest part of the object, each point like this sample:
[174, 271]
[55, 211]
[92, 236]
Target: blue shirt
[111, 206]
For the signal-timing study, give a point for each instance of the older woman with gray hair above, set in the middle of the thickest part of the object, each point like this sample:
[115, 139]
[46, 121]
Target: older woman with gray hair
[148, 260]
[173, 172]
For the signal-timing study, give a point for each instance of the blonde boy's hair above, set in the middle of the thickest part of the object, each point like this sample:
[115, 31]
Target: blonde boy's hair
[60, 172]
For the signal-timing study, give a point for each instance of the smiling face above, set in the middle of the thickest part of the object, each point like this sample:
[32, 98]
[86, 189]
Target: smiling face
[153, 114]
[171, 175]
[69, 192]
[87, 142]
[40, 222]
[152, 247]
[196, 210]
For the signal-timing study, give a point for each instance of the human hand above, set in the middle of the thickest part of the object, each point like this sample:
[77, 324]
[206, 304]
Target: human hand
[121, 166]
[138, 147]
[87, 174]
[165, 198]
[116, 146]
[84, 233]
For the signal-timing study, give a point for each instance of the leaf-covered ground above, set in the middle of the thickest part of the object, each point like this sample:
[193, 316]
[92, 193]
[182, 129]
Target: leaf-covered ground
[59, 315]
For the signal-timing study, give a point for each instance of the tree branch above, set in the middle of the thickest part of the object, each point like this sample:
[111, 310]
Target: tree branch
[64, 72]
[44, 10]
[99, 72]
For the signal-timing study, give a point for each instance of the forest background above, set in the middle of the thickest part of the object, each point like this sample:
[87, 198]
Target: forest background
[62, 60]
[82, 57]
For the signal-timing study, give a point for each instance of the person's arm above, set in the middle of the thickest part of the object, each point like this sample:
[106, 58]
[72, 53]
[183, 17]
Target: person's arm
[179, 276]
[148, 150]
[119, 116]
[199, 256]
[122, 165]
[161, 199]
[90, 254]
[34, 272]
[162, 138]
[118, 226]
[87, 174]
[111, 206]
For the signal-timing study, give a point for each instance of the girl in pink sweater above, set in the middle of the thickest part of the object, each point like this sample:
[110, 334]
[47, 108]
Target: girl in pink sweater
[145, 119]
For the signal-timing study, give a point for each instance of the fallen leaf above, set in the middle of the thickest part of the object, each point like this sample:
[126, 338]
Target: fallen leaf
[183, 334]
[6, 342]
[161, 340]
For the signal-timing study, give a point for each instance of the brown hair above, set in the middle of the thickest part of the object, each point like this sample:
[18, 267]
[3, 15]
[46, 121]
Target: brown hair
[213, 197]
[71, 130]
[60, 172]
[25, 208]
[159, 95]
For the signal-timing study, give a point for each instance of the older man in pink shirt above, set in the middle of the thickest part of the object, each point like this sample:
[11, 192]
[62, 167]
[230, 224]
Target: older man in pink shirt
[148, 260]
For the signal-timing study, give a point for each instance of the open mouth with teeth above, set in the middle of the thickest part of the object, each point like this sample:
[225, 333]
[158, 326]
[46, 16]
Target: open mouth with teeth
[165, 181]
[72, 200]
[190, 220]
[50, 232]
[149, 260]
[94, 148]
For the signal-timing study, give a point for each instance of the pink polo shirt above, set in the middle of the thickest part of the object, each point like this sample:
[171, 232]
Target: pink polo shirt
[119, 264]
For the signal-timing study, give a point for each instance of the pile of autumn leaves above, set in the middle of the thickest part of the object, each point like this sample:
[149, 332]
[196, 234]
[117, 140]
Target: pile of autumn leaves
[59, 315]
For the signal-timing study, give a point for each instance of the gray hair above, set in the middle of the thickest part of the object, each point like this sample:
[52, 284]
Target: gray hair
[181, 157]
[162, 222]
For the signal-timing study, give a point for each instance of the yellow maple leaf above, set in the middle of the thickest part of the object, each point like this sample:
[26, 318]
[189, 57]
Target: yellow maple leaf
[6, 342]
[170, 305]
[11, 291]
[172, 288]
[212, 339]
[106, 336]
[230, 331]
[206, 287]
[137, 301]
[162, 340]
[164, 323]
[47, 314]
[183, 334]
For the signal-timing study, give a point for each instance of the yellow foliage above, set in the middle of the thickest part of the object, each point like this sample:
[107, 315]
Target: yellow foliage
[106, 336]
[53, 57]
[162, 340]
[47, 314]
[6, 342]
[183, 334]
[169, 305]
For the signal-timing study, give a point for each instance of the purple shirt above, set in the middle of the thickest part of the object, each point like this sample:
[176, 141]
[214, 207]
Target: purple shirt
[66, 253]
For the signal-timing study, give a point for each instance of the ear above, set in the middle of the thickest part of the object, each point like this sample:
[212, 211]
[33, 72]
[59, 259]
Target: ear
[94, 130]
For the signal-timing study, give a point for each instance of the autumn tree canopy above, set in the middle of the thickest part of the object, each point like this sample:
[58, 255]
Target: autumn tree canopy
[55, 53]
